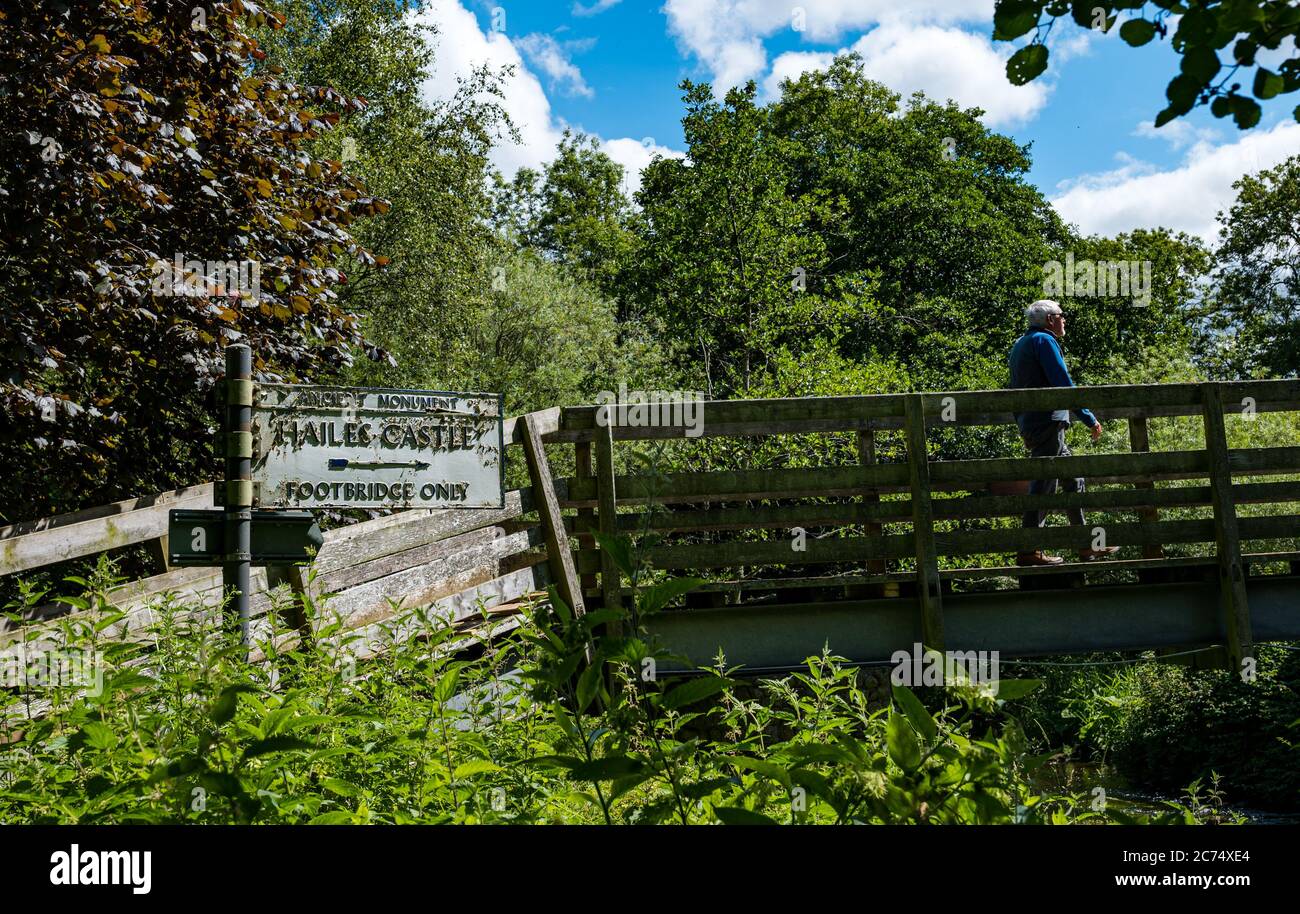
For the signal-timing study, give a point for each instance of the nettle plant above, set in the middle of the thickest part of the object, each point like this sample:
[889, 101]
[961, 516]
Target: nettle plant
[565, 720]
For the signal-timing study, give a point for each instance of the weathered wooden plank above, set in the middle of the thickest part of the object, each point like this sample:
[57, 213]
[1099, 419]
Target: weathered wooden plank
[607, 515]
[809, 515]
[763, 428]
[852, 550]
[563, 571]
[1140, 443]
[356, 544]
[1232, 579]
[928, 587]
[969, 403]
[71, 536]
[871, 497]
[586, 519]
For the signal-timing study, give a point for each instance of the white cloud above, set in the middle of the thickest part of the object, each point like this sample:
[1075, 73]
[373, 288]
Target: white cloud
[942, 62]
[598, 7]
[634, 156]
[1179, 134]
[908, 47]
[462, 46]
[727, 35]
[948, 63]
[555, 61]
[1186, 198]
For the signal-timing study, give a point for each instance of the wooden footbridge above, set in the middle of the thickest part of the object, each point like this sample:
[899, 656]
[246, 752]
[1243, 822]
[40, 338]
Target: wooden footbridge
[868, 552]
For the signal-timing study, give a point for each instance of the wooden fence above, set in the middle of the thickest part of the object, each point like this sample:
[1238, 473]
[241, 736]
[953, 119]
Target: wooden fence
[883, 525]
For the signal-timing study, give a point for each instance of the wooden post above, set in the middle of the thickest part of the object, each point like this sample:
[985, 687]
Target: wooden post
[607, 517]
[586, 516]
[1232, 582]
[867, 457]
[929, 592]
[295, 615]
[560, 559]
[158, 552]
[1140, 443]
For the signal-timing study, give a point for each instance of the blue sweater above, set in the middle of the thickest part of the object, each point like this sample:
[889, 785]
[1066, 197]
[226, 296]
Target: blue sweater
[1036, 361]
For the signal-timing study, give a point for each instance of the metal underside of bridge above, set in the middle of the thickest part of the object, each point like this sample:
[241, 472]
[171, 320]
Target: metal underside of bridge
[1016, 623]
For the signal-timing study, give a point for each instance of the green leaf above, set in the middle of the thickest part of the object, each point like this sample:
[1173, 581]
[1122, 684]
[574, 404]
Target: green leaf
[767, 769]
[338, 817]
[655, 598]
[588, 686]
[917, 716]
[619, 549]
[1027, 64]
[341, 787]
[1013, 18]
[473, 767]
[607, 769]
[903, 747]
[738, 815]
[1201, 64]
[1267, 83]
[223, 708]
[1137, 32]
[281, 743]
[99, 735]
[446, 686]
[693, 690]
[1011, 689]
[1245, 111]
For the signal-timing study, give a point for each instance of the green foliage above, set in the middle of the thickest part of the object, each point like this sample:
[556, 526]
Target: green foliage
[1256, 308]
[1165, 726]
[135, 138]
[564, 721]
[1201, 29]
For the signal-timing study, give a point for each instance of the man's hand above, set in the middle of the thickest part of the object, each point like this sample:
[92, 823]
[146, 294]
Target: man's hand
[1096, 432]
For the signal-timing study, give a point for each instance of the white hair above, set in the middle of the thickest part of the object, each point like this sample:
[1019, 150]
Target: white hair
[1038, 313]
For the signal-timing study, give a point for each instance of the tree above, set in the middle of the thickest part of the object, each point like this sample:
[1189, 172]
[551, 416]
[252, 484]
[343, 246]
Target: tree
[726, 245]
[428, 158]
[141, 139]
[1256, 301]
[574, 212]
[1204, 29]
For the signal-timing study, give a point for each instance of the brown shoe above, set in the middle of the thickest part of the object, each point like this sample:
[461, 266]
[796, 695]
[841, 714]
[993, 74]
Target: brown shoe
[1038, 557]
[1087, 555]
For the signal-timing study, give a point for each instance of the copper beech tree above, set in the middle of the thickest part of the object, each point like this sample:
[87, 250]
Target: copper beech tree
[157, 200]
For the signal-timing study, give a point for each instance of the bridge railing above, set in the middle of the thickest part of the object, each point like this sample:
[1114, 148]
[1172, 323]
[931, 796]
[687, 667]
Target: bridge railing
[725, 519]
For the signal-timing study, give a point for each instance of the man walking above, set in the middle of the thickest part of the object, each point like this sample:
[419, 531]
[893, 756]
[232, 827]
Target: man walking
[1036, 361]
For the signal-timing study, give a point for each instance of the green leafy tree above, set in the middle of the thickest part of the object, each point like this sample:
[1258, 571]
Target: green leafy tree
[427, 157]
[574, 211]
[140, 134]
[1256, 305]
[728, 243]
[1201, 35]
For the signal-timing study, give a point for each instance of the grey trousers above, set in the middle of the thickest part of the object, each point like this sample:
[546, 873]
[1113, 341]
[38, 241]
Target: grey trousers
[1051, 443]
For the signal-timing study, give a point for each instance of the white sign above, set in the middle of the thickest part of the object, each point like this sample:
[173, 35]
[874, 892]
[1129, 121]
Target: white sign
[317, 447]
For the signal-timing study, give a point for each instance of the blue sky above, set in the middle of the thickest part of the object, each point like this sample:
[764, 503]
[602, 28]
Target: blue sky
[612, 69]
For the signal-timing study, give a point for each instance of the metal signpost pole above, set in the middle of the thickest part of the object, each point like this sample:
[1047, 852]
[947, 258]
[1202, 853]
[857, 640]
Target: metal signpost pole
[238, 483]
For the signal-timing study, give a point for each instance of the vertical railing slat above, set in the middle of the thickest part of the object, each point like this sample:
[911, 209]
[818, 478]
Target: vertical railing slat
[928, 588]
[1232, 582]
